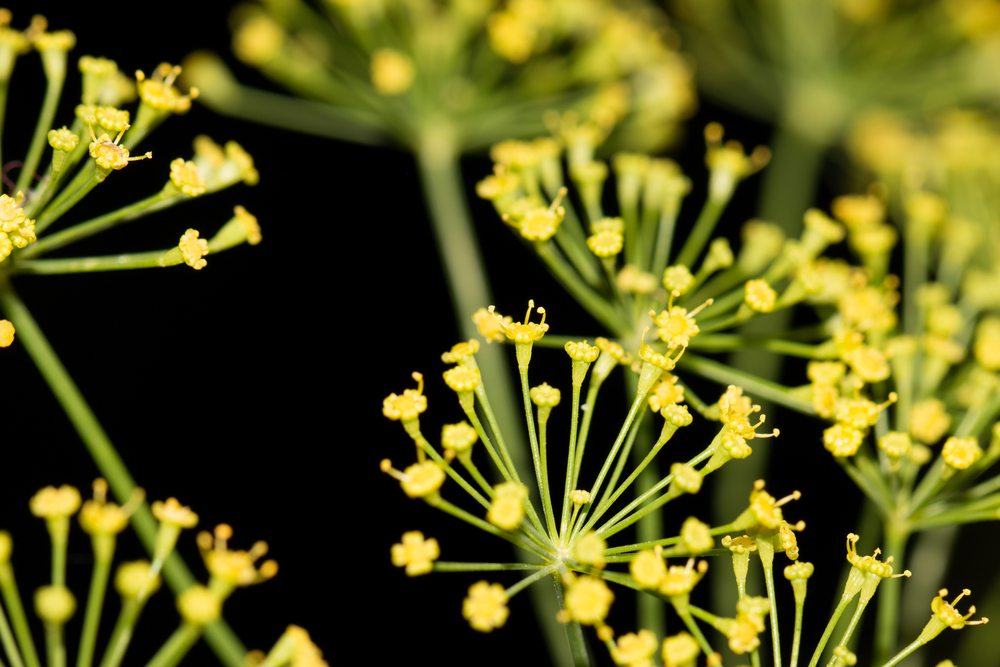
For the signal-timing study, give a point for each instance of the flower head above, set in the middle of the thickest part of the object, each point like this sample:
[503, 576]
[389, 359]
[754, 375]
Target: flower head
[486, 606]
[406, 406]
[588, 600]
[234, 567]
[415, 553]
[420, 480]
[507, 509]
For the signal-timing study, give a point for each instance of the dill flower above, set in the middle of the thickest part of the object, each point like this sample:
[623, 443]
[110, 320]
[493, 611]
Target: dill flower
[136, 582]
[566, 533]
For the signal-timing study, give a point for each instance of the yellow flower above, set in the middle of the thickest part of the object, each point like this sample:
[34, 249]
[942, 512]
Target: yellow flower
[462, 379]
[589, 549]
[249, 224]
[895, 444]
[929, 420]
[525, 332]
[54, 604]
[258, 39]
[588, 600]
[459, 437]
[485, 607]
[948, 616]
[742, 634]
[199, 606]
[677, 279]
[420, 480]
[173, 513]
[392, 72]
[961, 453]
[415, 553]
[63, 139]
[406, 406]
[987, 344]
[606, 243]
[858, 211]
[491, 325]
[636, 649]
[461, 352]
[696, 536]
[159, 93]
[6, 333]
[579, 497]
[507, 507]
[613, 350]
[17, 230]
[234, 568]
[870, 564]
[728, 162]
[799, 571]
[582, 351]
[685, 477]
[184, 176]
[681, 579]
[648, 568]
[680, 650]
[759, 296]
[136, 578]
[55, 503]
[633, 280]
[544, 395]
[666, 392]
[676, 326]
[539, 224]
[99, 517]
[843, 656]
[109, 154]
[868, 363]
[860, 413]
[825, 372]
[765, 509]
[842, 441]
[193, 249]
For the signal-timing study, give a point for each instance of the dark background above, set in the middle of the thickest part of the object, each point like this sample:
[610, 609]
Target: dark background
[252, 390]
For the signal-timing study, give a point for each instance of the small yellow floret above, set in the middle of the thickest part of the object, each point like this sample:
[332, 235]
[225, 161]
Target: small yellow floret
[588, 600]
[485, 607]
[193, 249]
[392, 72]
[759, 296]
[507, 508]
[961, 453]
[7, 332]
[415, 553]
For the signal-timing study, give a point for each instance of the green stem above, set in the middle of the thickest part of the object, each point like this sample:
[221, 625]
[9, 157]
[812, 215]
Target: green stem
[121, 635]
[702, 231]
[95, 225]
[12, 598]
[223, 641]
[176, 646]
[790, 179]
[830, 626]
[766, 552]
[887, 615]
[579, 656]
[92, 617]
[53, 90]
[9, 644]
[753, 384]
[446, 566]
[55, 646]
[905, 653]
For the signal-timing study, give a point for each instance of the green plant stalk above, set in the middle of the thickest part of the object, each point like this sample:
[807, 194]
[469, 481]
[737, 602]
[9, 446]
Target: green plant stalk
[579, 656]
[787, 191]
[220, 637]
[176, 646]
[887, 615]
[437, 156]
[12, 598]
[92, 616]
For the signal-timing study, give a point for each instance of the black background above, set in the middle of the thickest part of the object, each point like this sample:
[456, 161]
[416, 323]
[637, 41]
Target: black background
[252, 389]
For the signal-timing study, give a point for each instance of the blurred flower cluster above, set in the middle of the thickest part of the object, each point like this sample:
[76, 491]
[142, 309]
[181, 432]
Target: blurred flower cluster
[477, 69]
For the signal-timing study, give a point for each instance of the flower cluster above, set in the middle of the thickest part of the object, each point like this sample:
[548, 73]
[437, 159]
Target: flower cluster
[464, 73]
[564, 527]
[928, 354]
[623, 265]
[762, 530]
[826, 63]
[135, 581]
[102, 139]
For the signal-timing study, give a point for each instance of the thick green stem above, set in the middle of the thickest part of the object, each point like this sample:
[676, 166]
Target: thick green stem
[887, 616]
[790, 179]
[438, 160]
[220, 637]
